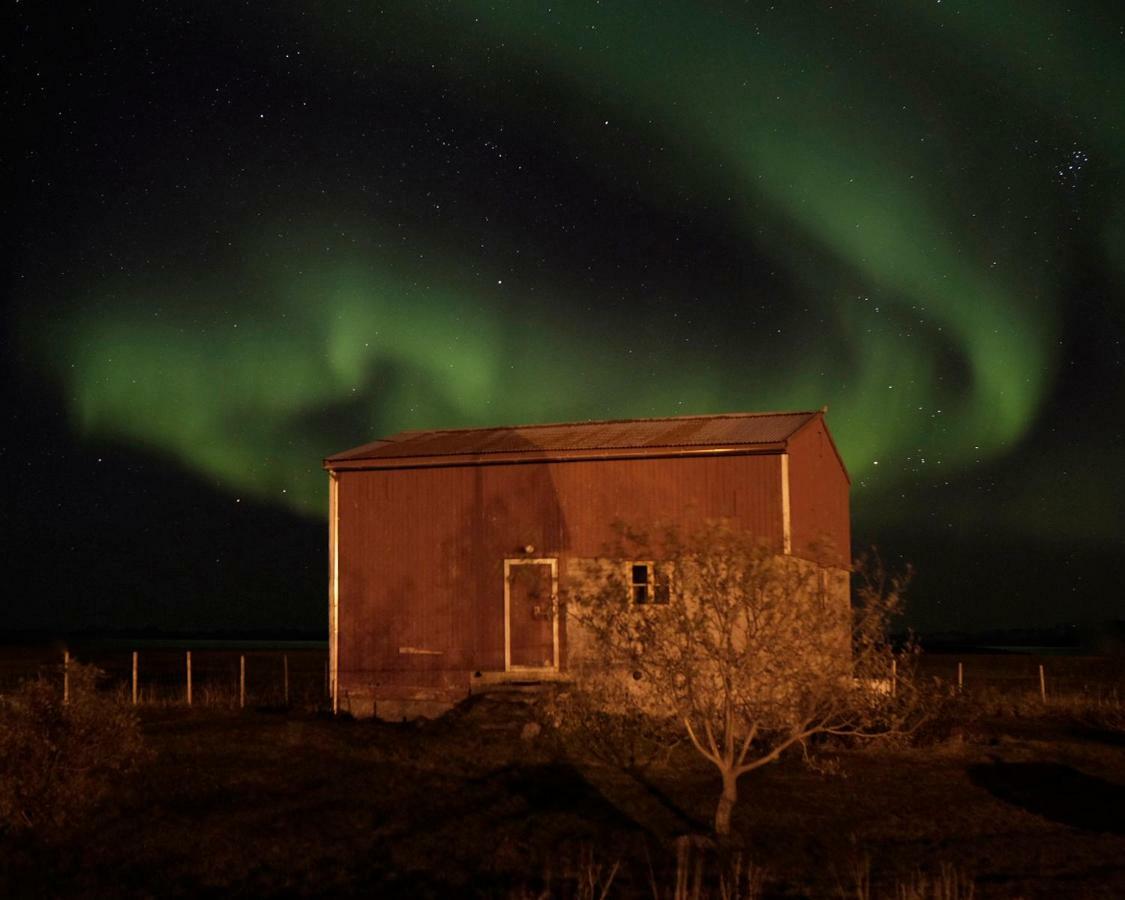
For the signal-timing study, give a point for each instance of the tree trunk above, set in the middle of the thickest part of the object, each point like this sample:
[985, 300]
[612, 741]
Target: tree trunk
[726, 804]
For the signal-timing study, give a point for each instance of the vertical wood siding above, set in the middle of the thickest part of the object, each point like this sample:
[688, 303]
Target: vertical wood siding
[421, 551]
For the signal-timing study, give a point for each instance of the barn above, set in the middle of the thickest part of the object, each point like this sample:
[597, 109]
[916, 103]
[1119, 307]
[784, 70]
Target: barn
[448, 549]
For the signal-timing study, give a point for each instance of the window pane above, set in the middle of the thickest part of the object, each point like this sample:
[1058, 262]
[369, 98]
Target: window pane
[640, 594]
[640, 573]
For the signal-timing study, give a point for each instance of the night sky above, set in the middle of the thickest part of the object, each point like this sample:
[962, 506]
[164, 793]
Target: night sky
[245, 236]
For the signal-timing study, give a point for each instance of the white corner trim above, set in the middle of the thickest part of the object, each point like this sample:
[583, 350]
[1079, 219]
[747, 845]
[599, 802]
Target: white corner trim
[334, 588]
[786, 518]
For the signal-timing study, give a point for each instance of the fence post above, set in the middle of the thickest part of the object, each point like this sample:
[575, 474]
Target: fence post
[285, 667]
[189, 678]
[894, 677]
[242, 681]
[1042, 684]
[960, 677]
[134, 678]
[65, 677]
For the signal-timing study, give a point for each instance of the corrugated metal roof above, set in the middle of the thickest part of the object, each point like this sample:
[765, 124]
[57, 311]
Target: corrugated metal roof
[733, 429]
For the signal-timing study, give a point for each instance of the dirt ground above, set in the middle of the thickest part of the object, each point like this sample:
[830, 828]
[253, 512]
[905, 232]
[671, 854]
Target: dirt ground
[263, 802]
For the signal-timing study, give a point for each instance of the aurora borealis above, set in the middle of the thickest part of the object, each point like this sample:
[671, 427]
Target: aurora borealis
[252, 237]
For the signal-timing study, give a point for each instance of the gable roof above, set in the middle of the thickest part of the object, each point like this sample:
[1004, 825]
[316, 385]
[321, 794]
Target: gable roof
[682, 435]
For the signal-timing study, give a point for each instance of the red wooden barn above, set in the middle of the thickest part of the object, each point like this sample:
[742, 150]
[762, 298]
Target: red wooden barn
[448, 549]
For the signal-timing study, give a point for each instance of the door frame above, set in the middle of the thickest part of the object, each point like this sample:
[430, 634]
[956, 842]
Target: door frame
[553, 562]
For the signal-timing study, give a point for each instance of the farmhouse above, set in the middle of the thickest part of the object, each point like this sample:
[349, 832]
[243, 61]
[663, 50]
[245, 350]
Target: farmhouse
[448, 549]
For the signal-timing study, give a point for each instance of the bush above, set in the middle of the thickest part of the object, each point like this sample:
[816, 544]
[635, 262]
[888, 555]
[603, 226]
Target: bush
[601, 726]
[59, 760]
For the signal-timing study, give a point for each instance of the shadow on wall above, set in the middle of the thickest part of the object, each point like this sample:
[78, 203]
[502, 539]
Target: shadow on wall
[1056, 792]
[512, 507]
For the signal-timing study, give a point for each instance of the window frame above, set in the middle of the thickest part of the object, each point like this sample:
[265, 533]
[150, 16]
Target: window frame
[650, 585]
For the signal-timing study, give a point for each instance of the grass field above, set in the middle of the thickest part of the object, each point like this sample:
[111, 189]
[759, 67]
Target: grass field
[265, 802]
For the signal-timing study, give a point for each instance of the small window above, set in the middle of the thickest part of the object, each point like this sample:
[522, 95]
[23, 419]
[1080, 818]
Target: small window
[644, 586]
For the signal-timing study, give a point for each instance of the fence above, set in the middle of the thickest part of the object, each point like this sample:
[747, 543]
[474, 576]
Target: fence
[1050, 677]
[297, 675]
[206, 676]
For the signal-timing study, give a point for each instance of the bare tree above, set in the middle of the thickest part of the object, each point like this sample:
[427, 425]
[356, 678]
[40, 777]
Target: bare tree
[746, 651]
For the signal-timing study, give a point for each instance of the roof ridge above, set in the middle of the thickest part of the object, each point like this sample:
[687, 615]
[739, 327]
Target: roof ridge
[729, 430]
[742, 415]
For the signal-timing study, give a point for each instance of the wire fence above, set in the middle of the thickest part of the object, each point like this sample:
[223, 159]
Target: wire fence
[296, 675]
[287, 676]
[1050, 676]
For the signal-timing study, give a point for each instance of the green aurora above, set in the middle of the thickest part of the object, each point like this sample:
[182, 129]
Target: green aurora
[913, 213]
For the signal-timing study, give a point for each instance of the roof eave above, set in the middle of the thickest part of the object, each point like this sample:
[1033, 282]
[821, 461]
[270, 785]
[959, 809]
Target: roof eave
[334, 464]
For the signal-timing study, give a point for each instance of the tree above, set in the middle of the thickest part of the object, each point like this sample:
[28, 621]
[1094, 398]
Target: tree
[746, 651]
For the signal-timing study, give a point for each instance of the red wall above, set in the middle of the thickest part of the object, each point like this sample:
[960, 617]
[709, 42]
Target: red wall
[818, 495]
[421, 550]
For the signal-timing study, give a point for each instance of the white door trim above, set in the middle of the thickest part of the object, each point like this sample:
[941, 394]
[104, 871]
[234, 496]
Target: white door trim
[540, 561]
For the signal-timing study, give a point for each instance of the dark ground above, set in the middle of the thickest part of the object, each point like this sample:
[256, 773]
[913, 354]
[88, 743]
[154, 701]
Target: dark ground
[263, 802]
